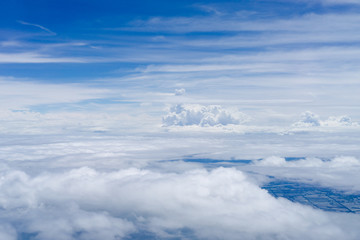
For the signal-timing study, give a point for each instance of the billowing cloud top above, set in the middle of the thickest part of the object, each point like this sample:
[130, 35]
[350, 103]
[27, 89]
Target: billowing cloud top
[88, 204]
[195, 114]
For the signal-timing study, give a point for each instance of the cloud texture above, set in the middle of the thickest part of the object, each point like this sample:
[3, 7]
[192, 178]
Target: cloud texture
[88, 204]
[195, 114]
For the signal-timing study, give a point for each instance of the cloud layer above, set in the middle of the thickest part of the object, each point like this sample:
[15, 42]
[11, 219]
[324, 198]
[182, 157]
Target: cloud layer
[88, 204]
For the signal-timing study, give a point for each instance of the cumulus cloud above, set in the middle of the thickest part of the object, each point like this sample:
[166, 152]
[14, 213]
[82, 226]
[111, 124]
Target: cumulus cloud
[221, 204]
[309, 119]
[195, 114]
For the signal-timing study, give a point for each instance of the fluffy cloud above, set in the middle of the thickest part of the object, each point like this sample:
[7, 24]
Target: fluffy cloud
[87, 204]
[194, 114]
[309, 119]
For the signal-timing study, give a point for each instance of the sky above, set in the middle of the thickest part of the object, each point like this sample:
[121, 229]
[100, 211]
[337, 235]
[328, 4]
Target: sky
[112, 97]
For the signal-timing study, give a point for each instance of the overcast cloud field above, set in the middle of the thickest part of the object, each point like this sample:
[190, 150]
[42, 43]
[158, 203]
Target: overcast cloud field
[179, 119]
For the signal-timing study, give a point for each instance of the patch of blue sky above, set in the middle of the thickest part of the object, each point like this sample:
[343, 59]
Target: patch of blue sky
[66, 72]
[90, 105]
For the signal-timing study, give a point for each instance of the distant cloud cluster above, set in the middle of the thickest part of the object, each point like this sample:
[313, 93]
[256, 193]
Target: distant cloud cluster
[309, 119]
[216, 115]
[195, 114]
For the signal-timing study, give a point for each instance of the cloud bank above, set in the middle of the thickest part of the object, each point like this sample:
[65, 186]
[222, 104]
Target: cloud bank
[221, 204]
[200, 115]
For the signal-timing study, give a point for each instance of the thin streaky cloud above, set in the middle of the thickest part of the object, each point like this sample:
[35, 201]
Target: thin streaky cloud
[339, 2]
[38, 26]
[30, 57]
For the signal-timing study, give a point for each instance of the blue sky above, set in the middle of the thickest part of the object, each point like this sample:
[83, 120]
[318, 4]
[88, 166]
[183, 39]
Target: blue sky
[119, 36]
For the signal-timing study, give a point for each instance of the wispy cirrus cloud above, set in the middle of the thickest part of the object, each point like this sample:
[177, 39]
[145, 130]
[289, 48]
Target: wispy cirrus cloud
[38, 26]
[233, 23]
[338, 2]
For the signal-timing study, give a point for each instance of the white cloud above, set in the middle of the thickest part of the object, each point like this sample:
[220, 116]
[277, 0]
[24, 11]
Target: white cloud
[195, 114]
[303, 24]
[10, 43]
[309, 119]
[339, 121]
[32, 57]
[88, 204]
